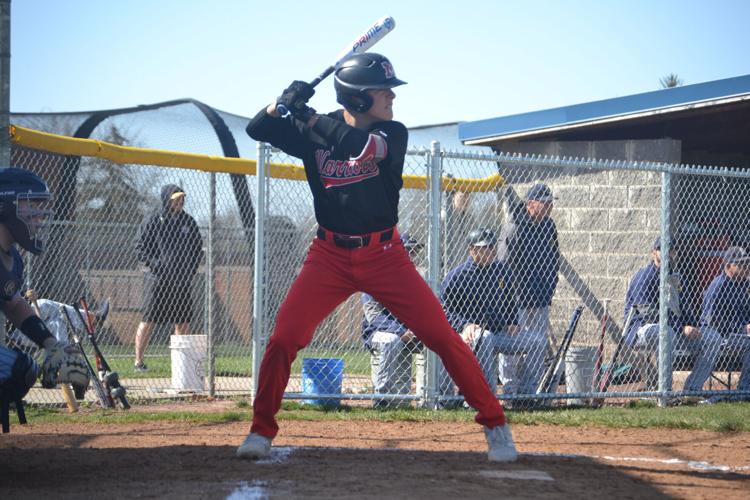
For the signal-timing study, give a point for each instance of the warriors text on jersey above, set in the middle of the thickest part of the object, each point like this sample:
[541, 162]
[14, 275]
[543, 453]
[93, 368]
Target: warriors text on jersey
[354, 175]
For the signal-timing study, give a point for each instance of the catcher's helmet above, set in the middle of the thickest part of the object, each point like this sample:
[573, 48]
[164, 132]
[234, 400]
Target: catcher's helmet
[24, 207]
[360, 73]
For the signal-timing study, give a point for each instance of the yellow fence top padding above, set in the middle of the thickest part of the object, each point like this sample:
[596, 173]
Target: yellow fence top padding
[123, 154]
[72, 146]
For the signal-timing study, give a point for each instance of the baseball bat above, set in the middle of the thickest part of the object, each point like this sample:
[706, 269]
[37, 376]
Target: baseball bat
[551, 377]
[607, 375]
[67, 392]
[110, 379]
[104, 399]
[362, 43]
[600, 350]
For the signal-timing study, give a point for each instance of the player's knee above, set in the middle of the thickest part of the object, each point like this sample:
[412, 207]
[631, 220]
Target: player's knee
[291, 334]
[285, 343]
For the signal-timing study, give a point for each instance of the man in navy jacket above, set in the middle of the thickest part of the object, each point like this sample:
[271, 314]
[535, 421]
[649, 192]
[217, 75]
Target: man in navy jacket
[643, 332]
[479, 300]
[530, 247]
[726, 313]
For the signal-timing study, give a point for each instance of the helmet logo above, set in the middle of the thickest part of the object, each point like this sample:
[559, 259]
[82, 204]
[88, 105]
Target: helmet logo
[388, 69]
[9, 289]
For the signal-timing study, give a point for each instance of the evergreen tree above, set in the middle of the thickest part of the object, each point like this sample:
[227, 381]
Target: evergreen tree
[671, 80]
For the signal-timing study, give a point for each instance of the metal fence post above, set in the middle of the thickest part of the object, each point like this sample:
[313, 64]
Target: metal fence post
[259, 261]
[4, 99]
[4, 82]
[434, 174]
[209, 277]
[665, 339]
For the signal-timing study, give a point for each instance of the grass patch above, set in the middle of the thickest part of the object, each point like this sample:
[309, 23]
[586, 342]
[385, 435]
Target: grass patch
[230, 362]
[101, 416]
[723, 417]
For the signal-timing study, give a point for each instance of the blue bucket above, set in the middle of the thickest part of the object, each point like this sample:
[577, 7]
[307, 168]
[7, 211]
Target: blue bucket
[322, 376]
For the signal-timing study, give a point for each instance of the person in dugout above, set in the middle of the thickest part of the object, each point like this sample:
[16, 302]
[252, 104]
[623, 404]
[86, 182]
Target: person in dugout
[726, 314]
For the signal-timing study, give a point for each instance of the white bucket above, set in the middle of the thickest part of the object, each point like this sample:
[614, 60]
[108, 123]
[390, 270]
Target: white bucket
[188, 353]
[579, 371]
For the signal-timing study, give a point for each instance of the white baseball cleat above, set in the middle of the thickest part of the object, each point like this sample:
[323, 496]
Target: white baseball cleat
[500, 443]
[254, 446]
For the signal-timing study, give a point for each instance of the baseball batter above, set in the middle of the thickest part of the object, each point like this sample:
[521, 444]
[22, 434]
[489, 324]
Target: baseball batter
[353, 160]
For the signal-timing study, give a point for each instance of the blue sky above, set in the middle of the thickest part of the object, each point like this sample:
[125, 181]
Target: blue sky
[464, 60]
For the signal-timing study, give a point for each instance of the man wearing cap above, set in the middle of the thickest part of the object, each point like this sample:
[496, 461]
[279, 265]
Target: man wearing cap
[530, 247]
[170, 245]
[390, 342]
[479, 302]
[643, 332]
[726, 313]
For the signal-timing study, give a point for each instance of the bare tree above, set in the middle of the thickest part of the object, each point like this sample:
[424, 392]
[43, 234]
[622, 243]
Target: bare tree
[112, 193]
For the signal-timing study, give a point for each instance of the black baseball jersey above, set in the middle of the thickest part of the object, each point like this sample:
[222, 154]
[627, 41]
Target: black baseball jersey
[354, 175]
[11, 280]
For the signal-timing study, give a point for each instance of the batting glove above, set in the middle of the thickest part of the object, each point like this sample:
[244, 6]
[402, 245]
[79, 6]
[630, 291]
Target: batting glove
[295, 96]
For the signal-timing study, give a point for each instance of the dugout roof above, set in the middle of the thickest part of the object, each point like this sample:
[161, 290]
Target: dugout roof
[711, 117]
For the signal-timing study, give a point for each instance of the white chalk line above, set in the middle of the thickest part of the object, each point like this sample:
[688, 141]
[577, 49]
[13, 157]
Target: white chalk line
[255, 490]
[692, 464]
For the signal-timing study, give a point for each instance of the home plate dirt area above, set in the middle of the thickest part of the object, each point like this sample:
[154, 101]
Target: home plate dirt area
[353, 459]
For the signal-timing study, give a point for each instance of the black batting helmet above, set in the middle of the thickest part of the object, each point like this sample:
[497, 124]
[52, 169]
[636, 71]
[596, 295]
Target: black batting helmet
[360, 73]
[24, 207]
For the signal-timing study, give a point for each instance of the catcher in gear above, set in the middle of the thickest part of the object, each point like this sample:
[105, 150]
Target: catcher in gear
[24, 211]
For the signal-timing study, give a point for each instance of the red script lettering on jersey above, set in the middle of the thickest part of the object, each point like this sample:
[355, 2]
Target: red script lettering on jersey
[342, 172]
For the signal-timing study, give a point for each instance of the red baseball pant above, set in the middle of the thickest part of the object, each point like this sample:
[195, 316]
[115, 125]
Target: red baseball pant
[329, 276]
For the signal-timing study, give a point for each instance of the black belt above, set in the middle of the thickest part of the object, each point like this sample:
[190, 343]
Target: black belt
[352, 241]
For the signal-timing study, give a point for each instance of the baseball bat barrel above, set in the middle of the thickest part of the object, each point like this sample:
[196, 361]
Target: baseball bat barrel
[69, 397]
[101, 362]
[362, 43]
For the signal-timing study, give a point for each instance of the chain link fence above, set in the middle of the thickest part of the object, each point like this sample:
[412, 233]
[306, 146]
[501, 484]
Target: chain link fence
[537, 261]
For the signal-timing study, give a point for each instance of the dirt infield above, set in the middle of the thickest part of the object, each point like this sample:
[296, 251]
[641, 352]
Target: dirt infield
[367, 460]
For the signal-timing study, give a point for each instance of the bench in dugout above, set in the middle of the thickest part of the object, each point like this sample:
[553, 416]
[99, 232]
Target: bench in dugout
[728, 362]
[645, 368]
